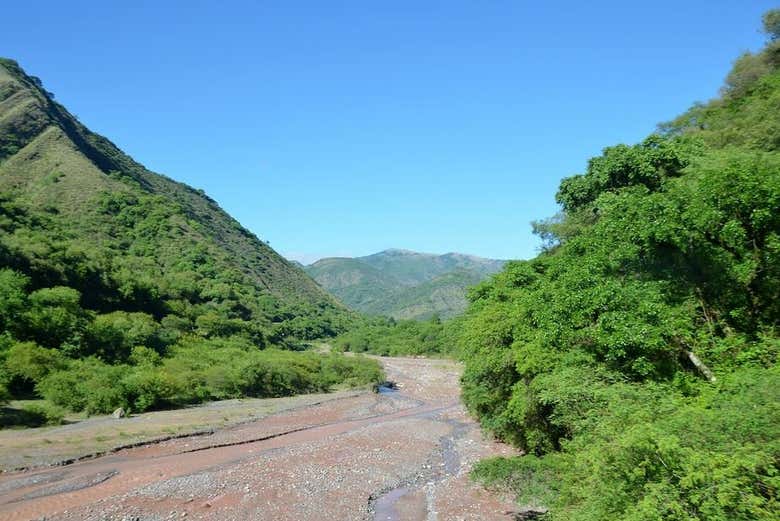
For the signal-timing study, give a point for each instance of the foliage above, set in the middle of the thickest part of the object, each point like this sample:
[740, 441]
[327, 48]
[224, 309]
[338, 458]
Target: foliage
[771, 20]
[197, 370]
[29, 362]
[710, 457]
[387, 337]
[635, 359]
[43, 413]
[36, 413]
[112, 276]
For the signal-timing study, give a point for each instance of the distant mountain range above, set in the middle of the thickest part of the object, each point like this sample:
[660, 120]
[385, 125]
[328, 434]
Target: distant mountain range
[403, 284]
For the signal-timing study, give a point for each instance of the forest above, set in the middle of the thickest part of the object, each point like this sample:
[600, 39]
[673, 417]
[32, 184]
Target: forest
[390, 337]
[634, 361]
[122, 288]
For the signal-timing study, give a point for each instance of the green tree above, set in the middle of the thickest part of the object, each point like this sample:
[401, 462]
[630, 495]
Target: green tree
[113, 336]
[55, 318]
[771, 20]
[13, 298]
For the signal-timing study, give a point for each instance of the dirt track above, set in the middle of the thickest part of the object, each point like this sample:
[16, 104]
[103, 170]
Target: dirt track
[400, 455]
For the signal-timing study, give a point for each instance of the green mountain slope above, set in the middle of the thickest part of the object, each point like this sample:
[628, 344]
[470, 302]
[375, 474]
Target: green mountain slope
[410, 268]
[635, 360]
[108, 270]
[357, 284]
[403, 284]
[443, 296]
[51, 163]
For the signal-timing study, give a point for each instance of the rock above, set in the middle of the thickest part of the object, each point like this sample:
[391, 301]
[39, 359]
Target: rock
[530, 513]
[119, 413]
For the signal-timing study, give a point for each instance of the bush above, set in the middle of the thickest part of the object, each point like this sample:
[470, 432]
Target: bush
[32, 362]
[747, 70]
[147, 388]
[55, 317]
[712, 458]
[26, 364]
[113, 336]
[87, 385]
[348, 371]
[387, 337]
[44, 413]
[13, 298]
[144, 356]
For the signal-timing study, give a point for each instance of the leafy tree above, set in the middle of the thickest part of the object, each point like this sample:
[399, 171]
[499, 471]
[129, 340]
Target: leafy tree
[55, 318]
[635, 359]
[32, 362]
[13, 298]
[771, 20]
[114, 335]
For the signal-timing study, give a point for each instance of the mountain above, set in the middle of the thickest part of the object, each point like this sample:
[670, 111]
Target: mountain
[403, 284]
[76, 211]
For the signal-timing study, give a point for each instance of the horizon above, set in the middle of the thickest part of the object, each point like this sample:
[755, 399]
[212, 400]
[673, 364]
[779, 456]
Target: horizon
[392, 249]
[429, 128]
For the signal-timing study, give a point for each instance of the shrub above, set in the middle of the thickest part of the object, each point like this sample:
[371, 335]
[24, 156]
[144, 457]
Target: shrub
[747, 70]
[144, 356]
[43, 413]
[113, 336]
[32, 362]
[149, 388]
[87, 385]
[13, 297]
[349, 371]
[55, 317]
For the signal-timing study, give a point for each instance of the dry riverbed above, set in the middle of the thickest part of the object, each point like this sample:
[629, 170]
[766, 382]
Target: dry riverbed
[398, 455]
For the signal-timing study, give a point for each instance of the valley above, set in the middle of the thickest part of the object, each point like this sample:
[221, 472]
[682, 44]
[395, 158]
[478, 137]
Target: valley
[160, 360]
[401, 454]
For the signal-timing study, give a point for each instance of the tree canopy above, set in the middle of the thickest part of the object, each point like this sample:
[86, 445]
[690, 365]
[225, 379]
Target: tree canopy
[635, 359]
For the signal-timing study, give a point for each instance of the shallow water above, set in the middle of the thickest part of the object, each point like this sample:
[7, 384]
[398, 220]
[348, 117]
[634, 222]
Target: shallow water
[385, 506]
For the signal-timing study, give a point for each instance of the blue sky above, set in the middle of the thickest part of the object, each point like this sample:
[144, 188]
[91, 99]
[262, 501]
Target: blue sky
[344, 128]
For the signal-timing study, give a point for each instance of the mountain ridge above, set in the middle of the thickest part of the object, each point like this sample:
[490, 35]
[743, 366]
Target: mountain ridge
[403, 284]
[51, 163]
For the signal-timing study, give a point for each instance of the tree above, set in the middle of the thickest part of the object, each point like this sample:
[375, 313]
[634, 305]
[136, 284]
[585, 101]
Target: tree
[112, 336]
[771, 21]
[28, 363]
[55, 318]
[13, 298]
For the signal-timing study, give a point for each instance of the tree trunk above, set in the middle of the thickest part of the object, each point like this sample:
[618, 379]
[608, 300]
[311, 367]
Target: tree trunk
[703, 369]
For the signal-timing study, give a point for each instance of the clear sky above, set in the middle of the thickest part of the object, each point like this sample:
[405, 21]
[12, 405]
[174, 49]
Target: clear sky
[344, 128]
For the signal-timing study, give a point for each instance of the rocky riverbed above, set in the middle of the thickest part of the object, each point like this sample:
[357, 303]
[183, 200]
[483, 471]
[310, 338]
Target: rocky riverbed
[402, 454]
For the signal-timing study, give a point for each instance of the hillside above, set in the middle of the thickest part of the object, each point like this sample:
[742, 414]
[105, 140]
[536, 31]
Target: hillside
[51, 164]
[105, 262]
[403, 284]
[635, 360]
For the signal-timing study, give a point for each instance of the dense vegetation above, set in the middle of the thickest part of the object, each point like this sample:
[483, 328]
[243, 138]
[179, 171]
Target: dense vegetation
[120, 287]
[403, 284]
[388, 337]
[635, 360]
